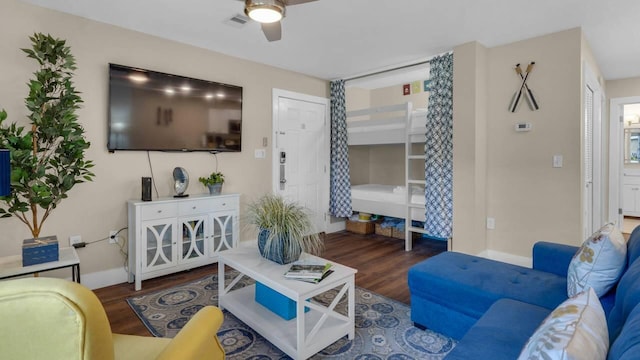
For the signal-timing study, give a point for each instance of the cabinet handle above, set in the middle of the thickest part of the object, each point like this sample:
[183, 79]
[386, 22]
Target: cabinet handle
[194, 208]
[159, 211]
[224, 204]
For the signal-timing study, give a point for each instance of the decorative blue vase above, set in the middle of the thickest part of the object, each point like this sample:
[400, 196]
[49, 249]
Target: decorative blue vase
[276, 253]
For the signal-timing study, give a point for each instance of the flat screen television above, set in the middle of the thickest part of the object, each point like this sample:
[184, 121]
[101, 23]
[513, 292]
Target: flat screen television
[150, 110]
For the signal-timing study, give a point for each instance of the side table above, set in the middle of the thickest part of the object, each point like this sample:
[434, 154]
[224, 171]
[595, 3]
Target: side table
[11, 266]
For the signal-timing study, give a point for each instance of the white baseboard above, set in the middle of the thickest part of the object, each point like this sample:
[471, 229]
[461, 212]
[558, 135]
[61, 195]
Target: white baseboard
[508, 258]
[103, 278]
[336, 226]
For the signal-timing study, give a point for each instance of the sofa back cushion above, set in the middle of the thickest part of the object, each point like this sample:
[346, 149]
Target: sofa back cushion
[633, 246]
[627, 297]
[627, 344]
[599, 263]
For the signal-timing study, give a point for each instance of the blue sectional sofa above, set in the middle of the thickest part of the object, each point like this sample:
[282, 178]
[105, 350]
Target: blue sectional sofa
[493, 308]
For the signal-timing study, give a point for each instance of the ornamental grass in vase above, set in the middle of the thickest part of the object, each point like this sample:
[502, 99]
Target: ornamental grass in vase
[285, 229]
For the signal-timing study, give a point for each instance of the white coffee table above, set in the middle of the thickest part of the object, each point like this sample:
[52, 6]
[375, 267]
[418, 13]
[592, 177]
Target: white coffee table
[309, 332]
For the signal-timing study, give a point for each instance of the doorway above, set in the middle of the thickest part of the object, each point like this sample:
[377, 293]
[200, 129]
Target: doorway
[300, 164]
[624, 180]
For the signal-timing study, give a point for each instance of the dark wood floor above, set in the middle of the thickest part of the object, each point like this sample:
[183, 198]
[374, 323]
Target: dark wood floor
[382, 267]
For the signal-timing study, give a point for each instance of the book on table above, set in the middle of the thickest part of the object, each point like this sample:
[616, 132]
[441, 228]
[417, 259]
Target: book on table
[307, 270]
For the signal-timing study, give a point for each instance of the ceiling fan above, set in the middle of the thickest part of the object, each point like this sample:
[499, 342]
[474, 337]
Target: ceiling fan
[269, 13]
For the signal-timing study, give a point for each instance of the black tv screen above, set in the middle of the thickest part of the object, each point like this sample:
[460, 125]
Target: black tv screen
[150, 110]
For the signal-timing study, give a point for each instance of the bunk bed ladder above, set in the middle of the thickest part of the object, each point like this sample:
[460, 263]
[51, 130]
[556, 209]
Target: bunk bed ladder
[411, 158]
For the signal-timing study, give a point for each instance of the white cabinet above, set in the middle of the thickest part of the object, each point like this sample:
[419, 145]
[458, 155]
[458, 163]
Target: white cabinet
[175, 234]
[631, 195]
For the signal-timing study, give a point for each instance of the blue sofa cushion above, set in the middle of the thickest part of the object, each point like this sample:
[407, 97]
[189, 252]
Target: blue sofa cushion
[627, 297]
[501, 332]
[470, 284]
[627, 344]
[633, 246]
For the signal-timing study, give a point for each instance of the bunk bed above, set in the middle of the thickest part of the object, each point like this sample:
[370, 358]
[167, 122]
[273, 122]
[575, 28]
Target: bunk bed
[395, 124]
[387, 200]
[386, 125]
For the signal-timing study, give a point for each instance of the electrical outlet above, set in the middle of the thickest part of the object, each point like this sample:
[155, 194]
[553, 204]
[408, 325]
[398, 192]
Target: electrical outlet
[74, 239]
[112, 237]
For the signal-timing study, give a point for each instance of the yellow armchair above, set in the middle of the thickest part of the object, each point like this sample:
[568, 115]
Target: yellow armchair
[47, 318]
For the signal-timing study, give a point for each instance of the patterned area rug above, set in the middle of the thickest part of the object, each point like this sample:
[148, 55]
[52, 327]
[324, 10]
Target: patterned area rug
[383, 326]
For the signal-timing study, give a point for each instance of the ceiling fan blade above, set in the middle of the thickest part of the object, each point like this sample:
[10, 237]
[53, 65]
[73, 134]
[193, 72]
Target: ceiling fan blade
[272, 31]
[297, 2]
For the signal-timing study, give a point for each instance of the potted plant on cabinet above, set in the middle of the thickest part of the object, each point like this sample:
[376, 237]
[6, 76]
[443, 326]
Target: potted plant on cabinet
[285, 229]
[48, 159]
[213, 182]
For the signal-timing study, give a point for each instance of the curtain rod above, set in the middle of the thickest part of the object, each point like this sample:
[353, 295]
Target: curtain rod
[386, 71]
[395, 68]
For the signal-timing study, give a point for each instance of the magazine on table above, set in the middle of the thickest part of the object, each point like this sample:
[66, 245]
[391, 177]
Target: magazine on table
[307, 270]
[315, 281]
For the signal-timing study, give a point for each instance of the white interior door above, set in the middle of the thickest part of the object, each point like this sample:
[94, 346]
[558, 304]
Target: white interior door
[301, 152]
[592, 200]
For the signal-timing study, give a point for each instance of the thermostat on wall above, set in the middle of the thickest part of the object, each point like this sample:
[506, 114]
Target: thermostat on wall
[523, 127]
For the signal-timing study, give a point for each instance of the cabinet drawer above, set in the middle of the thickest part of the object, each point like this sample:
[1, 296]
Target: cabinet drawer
[159, 211]
[631, 179]
[205, 206]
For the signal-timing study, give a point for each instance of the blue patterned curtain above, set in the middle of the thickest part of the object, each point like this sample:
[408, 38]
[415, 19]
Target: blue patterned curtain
[340, 193]
[439, 150]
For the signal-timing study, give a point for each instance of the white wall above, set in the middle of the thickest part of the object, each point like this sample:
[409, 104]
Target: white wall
[470, 92]
[93, 209]
[529, 199]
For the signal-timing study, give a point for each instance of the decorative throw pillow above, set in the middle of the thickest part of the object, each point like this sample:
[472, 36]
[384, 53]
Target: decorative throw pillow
[599, 262]
[576, 329]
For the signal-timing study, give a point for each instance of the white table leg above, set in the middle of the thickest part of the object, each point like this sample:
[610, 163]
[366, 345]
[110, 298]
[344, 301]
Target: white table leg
[352, 304]
[221, 285]
[300, 339]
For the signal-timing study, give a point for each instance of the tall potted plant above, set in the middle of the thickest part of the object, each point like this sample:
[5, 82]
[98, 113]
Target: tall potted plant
[285, 229]
[48, 159]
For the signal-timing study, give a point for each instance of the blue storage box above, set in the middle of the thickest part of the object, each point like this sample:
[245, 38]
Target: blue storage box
[276, 302]
[41, 250]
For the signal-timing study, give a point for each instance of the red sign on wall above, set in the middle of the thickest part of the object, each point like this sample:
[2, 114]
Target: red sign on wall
[406, 89]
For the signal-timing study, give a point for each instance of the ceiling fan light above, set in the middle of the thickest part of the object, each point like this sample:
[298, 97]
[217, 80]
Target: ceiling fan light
[265, 11]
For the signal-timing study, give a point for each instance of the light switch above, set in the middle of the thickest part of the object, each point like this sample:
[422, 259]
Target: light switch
[491, 223]
[260, 153]
[557, 161]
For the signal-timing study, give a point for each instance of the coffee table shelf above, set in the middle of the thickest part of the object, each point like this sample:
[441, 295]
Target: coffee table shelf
[309, 332]
[282, 333]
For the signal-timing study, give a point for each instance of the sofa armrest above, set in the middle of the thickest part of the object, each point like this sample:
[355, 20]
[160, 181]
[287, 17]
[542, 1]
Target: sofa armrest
[553, 258]
[197, 339]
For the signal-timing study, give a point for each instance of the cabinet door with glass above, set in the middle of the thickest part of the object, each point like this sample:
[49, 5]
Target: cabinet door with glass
[158, 244]
[193, 243]
[223, 231]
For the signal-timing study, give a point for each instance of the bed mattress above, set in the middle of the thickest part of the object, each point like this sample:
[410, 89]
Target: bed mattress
[386, 193]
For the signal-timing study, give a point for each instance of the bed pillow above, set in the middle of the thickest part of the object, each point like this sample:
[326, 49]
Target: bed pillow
[599, 263]
[576, 329]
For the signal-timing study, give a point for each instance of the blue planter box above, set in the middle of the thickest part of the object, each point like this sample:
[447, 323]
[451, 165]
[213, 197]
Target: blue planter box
[276, 302]
[41, 250]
